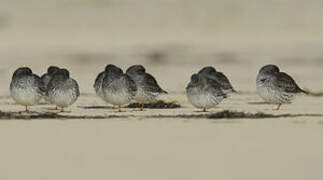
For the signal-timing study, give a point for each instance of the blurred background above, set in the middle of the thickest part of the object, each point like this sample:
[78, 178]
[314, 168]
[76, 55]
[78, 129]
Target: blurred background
[172, 38]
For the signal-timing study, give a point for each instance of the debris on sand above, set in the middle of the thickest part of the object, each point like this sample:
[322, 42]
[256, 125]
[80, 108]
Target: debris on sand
[218, 115]
[47, 115]
[156, 105]
[240, 115]
[234, 115]
[95, 107]
[221, 115]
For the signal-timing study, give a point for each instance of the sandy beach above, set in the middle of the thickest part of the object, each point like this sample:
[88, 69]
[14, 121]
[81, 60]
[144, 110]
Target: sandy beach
[172, 39]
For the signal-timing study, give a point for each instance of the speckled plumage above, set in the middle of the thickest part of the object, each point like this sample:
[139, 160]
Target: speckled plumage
[26, 88]
[203, 92]
[62, 90]
[147, 87]
[210, 72]
[47, 77]
[118, 88]
[98, 84]
[276, 87]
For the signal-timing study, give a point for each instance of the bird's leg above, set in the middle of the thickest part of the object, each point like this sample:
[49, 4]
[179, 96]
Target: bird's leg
[142, 107]
[278, 107]
[203, 110]
[26, 109]
[64, 111]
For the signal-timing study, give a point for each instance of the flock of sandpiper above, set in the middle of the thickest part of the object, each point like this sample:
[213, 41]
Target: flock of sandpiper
[206, 89]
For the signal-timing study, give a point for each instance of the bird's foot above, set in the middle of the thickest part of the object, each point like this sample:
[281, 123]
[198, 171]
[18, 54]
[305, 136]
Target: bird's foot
[204, 110]
[278, 107]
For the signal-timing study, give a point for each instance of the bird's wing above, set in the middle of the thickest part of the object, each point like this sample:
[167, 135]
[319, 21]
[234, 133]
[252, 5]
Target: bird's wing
[43, 76]
[287, 83]
[215, 88]
[151, 84]
[224, 81]
[130, 84]
[39, 83]
[76, 87]
[99, 79]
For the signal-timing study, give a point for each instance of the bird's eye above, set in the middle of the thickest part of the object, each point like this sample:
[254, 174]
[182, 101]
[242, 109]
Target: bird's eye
[262, 80]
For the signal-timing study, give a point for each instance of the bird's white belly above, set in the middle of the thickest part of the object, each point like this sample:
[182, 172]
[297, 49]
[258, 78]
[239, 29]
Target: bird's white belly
[143, 97]
[203, 100]
[117, 98]
[63, 98]
[271, 95]
[25, 97]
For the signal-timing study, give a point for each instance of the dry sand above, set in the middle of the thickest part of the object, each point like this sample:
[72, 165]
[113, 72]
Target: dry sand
[173, 39]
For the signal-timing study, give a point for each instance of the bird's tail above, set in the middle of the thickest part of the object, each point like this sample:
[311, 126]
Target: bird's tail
[304, 91]
[164, 92]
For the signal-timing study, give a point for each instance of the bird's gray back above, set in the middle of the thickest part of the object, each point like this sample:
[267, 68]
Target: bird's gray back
[221, 79]
[31, 82]
[45, 79]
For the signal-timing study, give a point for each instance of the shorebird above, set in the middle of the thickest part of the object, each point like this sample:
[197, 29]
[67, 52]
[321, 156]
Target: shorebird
[147, 87]
[203, 92]
[276, 87]
[62, 90]
[26, 88]
[210, 72]
[118, 88]
[47, 77]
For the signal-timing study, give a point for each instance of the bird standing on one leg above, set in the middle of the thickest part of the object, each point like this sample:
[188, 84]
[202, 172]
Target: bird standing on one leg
[276, 87]
[26, 88]
[203, 92]
[62, 90]
[117, 88]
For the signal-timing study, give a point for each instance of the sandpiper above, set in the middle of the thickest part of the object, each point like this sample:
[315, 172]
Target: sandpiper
[62, 90]
[276, 87]
[118, 88]
[210, 72]
[147, 86]
[26, 88]
[47, 77]
[203, 92]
